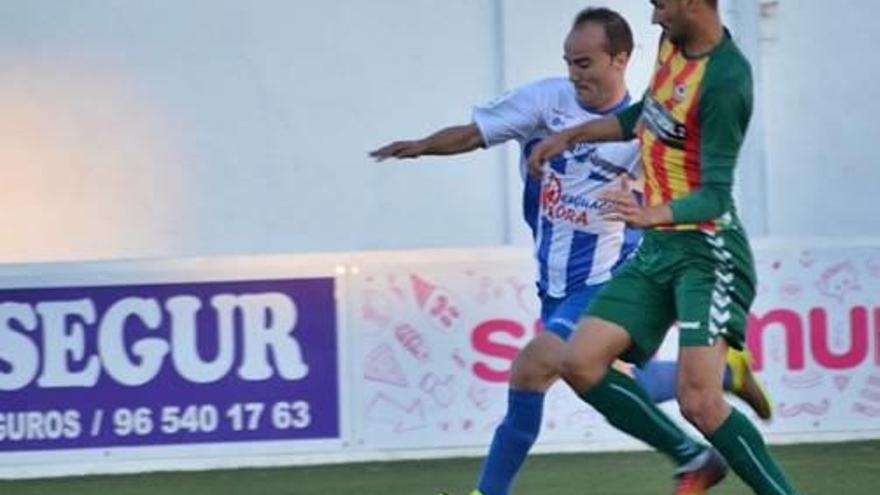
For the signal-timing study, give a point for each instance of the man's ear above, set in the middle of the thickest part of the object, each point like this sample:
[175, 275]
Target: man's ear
[620, 60]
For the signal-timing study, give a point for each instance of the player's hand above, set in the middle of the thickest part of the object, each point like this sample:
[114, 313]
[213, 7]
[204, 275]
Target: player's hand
[399, 150]
[623, 207]
[546, 149]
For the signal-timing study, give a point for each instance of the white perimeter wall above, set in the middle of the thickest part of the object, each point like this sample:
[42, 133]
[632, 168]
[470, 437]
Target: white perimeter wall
[821, 68]
[174, 128]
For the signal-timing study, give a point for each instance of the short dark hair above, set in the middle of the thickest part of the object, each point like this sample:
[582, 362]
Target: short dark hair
[618, 35]
[713, 4]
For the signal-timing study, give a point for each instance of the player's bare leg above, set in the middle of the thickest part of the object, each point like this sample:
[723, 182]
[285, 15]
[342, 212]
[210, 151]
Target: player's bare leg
[587, 368]
[702, 403]
[535, 369]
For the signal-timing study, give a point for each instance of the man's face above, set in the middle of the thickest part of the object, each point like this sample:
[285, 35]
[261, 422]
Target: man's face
[596, 75]
[671, 16]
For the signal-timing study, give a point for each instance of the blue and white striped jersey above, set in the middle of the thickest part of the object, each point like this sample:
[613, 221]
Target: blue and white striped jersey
[573, 244]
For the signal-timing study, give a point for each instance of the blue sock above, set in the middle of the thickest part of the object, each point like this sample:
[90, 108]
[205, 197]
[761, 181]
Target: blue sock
[512, 441]
[728, 378]
[659, 379]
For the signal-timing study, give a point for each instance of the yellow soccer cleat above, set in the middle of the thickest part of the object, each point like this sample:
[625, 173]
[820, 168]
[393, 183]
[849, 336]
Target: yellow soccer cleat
[746, 386]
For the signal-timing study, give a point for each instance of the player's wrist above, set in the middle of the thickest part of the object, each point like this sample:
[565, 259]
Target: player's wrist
[421, 147]
[580, 133]
[657, 215]
[570, 137]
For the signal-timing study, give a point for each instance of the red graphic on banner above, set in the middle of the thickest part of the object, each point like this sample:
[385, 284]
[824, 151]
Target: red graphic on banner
[869, 403]
[402, 417]
[489, 290]
[838, 281]
[525, 295]
[395, 288]
[435, 301]
[441, 390]
[412, 341]
[802, 381]
[807, 259]
[791, 290]
[458, 359]
[814, 409]
[862, 409]
[376, 308]
[380, 365]
[479, 395]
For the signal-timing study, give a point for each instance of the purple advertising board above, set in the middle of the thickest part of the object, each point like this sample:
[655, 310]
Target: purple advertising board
[161, 364]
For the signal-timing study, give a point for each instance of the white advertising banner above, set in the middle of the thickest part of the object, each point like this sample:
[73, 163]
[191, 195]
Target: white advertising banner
[815, 335]
[228, 362]
[433, 342]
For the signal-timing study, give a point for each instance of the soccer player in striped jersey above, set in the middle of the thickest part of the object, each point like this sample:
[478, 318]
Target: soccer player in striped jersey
[575, 249]
[695, 265]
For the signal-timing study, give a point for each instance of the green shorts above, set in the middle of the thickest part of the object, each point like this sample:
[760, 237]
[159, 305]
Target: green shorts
[703, 281]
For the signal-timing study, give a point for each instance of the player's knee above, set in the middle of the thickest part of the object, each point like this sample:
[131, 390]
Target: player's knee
[701, 407]
[582, 374]
[534, 373]
[690, 404]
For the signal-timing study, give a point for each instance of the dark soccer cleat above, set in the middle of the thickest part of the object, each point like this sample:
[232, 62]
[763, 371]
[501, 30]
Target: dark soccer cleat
[710, 468]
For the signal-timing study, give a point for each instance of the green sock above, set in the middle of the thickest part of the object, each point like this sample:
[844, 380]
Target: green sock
[741, 445]
[629, 409]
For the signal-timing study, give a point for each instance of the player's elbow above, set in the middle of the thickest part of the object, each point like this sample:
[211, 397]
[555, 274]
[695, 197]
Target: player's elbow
[718, 202]
[472, 138]
[703, 206]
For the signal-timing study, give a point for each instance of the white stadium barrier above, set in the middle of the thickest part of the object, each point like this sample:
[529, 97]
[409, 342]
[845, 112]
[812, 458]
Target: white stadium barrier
[283, 360]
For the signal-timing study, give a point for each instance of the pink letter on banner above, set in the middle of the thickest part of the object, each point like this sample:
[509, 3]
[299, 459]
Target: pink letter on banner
[858, 347]
[794, 337]
[481, 339]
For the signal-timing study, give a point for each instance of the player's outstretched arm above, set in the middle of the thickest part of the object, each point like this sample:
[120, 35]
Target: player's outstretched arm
[449, 141]
[604, 129]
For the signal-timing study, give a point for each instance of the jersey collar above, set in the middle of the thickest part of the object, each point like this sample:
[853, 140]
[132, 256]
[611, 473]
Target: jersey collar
[623, 103]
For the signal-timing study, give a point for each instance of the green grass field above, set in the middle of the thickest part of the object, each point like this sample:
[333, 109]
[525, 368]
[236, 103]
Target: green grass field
[820, 469]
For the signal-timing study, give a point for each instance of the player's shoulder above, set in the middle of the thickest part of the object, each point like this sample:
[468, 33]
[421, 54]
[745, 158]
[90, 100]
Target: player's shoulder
[731, 65]
[737, 61]
[543, 94]
[538, 93]
[550, 86]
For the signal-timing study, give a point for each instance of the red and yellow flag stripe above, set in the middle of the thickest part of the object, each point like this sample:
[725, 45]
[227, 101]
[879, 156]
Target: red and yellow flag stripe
[671, 173]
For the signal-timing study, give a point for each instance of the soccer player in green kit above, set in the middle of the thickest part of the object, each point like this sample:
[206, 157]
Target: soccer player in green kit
[695, 265]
